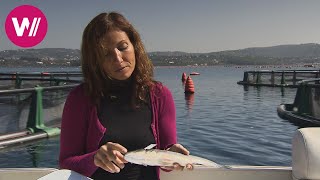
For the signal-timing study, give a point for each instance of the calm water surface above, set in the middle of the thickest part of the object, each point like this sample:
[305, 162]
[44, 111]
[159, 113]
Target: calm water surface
[222, 121]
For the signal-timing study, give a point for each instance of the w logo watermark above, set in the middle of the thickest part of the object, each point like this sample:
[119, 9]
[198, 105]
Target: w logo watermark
[26, 26]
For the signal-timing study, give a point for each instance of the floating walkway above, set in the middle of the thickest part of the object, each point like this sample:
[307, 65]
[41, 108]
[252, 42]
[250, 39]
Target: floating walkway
[305, 111]
[277, 78]
[36, 93]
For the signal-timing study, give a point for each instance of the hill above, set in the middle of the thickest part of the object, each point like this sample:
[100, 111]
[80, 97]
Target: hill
[282, 54]
[303, 50]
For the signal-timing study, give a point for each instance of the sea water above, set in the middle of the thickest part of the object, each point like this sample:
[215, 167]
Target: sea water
[222, 121]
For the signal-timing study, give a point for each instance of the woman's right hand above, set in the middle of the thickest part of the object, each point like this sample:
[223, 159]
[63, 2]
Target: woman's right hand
[110, 157]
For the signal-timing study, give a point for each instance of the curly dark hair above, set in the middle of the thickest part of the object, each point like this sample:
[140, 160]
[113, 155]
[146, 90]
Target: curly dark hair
[92, 57]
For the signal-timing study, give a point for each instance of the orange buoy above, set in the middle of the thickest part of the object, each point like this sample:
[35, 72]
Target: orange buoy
[189, 87]
[184, 77]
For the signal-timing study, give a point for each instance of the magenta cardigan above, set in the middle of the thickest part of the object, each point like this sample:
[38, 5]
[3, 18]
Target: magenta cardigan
[81, 130]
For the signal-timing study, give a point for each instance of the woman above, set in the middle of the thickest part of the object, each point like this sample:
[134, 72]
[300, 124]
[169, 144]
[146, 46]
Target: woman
[118, 108]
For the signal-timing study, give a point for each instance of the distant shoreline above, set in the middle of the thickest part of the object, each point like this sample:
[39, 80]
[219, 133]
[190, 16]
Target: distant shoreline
[306, 65]
[283, 55]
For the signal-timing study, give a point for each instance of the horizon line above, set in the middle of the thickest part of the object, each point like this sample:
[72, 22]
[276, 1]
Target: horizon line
[176, 50]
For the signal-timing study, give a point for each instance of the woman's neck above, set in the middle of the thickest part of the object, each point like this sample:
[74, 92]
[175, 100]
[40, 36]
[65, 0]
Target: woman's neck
[120, 85]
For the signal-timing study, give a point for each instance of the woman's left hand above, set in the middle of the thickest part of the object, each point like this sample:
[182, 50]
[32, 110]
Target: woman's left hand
[179, 149]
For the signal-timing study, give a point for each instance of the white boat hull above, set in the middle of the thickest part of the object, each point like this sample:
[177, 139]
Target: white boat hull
[305, 165]
[235, 173]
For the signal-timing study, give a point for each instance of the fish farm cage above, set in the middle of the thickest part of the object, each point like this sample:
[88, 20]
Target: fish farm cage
[31, 104]
[305, 110]
[278, 78]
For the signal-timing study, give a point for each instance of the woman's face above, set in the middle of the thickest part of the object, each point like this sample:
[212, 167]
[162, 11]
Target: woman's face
[119, 54]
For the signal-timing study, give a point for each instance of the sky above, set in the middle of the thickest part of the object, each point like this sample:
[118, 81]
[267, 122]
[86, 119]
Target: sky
[197, 26]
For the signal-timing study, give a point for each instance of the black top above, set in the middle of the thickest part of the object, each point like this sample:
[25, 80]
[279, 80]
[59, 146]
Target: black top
[128, 126]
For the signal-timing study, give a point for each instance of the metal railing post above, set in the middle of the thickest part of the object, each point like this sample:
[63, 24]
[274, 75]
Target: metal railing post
[35, 118]
[245, 77]
[258, 80]
[51, 80]
[283, 78]
[294, 78]
[18, 81]
[272, 77]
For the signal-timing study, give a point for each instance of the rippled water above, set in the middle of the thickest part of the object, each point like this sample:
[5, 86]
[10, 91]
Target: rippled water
[222, 121]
